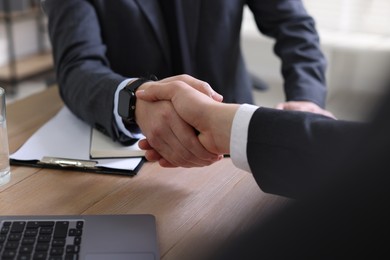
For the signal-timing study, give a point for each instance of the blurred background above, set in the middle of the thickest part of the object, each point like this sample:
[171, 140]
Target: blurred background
[355, 37]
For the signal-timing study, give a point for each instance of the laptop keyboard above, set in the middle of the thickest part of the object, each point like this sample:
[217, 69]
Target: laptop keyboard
[40, 239]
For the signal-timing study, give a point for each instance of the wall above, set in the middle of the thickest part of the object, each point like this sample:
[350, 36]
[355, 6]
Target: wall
[26, 33]
[25, 39]
[356, 60]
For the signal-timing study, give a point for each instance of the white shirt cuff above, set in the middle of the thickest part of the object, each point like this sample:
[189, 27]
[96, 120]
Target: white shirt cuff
[239, 136]
[118, 119]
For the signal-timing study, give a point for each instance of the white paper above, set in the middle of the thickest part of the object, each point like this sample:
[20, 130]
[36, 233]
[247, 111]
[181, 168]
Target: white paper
[66, 136]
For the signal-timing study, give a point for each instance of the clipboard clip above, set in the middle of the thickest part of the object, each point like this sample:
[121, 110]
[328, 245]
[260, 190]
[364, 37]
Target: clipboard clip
[63, 162]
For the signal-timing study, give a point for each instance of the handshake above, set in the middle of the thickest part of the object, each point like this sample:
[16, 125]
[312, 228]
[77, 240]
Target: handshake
[196, 123]
[191, 126]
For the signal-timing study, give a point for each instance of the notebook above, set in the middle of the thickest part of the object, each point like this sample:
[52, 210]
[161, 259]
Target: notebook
[84, 237]
[102, 146]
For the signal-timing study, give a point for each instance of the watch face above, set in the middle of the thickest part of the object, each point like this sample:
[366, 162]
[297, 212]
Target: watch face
[124, 103]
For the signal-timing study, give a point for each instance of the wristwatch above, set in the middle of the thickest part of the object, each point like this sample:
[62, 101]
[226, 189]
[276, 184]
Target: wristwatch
[127, 99]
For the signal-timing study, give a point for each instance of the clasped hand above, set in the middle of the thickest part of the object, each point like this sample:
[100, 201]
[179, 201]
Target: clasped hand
[172, 139]
[186, 124]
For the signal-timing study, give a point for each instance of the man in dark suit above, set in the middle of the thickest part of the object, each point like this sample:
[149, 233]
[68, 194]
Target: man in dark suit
[338, 172]
[101, 46]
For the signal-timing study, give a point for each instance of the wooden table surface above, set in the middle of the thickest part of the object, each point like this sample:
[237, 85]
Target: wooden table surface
[195, 208]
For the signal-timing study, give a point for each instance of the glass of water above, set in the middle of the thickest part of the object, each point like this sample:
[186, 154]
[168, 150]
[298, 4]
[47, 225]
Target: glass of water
[5, 173]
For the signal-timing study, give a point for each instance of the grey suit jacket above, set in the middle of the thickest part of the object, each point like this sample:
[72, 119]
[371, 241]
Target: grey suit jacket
[289, 151]
[98, 43]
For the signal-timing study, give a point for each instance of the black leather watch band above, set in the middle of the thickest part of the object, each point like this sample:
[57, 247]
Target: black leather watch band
[127, 99]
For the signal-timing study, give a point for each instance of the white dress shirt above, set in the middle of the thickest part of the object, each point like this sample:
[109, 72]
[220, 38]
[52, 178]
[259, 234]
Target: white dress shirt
[118, 119]
[239, 136]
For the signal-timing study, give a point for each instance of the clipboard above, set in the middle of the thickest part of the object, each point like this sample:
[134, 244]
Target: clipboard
[75, 165]
[64, 143]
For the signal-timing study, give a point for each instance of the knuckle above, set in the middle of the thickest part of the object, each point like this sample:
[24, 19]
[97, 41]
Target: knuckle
[205, 85]
[166, 115]
[155, 135]
[184, 77]
[154, 141]
[179, 83]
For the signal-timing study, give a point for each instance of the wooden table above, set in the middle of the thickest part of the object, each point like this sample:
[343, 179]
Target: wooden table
[195, 208]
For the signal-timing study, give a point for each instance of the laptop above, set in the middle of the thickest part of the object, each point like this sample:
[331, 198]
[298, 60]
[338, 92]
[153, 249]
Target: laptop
[84, 237]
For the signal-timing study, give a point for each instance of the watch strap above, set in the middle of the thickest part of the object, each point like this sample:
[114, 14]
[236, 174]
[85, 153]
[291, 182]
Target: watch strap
[132, 87]
[127, 112]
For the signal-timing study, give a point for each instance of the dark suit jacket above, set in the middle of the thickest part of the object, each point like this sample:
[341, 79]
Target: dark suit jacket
[345, 213]
[98, 43]
[288, 150]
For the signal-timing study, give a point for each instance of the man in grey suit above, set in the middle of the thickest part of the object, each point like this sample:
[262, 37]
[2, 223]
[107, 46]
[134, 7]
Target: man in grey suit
[101, 47]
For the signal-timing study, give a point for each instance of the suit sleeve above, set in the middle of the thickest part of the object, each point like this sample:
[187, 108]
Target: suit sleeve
[297, 45]
[287, 150]
[87, 84]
